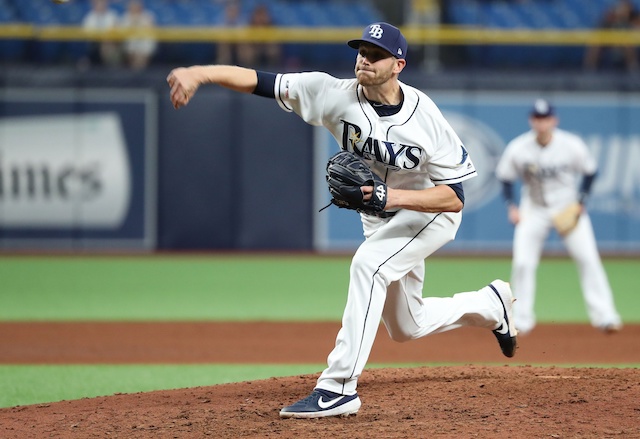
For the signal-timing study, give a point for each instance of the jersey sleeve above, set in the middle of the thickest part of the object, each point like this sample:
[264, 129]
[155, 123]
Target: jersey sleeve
[304, 94]
[450, 162]
[586, 163]
[505, 169]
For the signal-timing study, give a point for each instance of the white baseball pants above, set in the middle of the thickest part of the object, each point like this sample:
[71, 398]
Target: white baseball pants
[387, 275]
[528, 243]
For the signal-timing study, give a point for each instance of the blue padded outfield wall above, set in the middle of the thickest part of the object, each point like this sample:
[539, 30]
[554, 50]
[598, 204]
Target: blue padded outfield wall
[120, 169]
[486, 121]
[100, 169]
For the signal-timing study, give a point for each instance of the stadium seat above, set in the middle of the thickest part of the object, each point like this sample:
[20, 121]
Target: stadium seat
[501, 15]
[7, 13]
[549, 14]
[282, 14]
[467, 13]
[165, 15]
[71, 13]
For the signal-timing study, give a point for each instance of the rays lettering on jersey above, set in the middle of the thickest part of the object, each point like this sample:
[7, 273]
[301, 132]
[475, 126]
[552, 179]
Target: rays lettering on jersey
[533, 170]
[391, 154]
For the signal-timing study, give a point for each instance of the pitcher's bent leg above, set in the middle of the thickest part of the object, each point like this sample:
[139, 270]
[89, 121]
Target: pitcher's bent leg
[408, 317]
[388, 254]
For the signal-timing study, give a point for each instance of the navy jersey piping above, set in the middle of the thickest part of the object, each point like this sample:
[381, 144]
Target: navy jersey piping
[364, 112]
[284, 104]
[408, 119]
[455, 178]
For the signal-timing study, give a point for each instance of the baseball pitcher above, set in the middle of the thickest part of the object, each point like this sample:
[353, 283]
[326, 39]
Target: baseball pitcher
[401, 167]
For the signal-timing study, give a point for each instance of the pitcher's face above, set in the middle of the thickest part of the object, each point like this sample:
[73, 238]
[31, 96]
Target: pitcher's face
[375, 66]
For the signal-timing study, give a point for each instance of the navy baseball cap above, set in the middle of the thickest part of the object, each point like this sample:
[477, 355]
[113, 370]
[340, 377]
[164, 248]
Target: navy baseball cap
[385, 36]
[542, 108]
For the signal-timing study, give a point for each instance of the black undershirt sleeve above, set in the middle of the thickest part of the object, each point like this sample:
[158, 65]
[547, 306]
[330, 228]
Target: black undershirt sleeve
[585, 187]
[266, 84]
[458, 190]
[507, 192]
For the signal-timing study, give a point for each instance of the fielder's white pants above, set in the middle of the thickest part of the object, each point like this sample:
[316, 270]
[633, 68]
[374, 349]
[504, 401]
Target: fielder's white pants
[528, 243]
[387, 275]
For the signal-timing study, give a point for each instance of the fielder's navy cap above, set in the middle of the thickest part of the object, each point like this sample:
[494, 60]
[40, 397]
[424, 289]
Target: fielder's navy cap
[542, 108]
[385, 36]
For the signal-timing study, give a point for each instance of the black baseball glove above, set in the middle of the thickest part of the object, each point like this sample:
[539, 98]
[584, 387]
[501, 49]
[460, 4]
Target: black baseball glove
[346, 174]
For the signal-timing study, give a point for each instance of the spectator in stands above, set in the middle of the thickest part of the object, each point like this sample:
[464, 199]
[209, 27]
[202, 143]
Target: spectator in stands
[99, 19]
[266, 54]
[257, 54]
[232, 53]
[622, 15]
[140, 48]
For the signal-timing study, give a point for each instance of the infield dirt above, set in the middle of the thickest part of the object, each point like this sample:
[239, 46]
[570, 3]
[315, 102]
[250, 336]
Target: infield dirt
[487, 395]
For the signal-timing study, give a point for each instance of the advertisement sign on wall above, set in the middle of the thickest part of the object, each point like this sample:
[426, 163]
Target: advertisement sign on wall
[77, 170]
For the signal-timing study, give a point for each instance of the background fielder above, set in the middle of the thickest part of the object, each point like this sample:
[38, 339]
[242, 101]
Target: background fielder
[549, 161]
[406, 141]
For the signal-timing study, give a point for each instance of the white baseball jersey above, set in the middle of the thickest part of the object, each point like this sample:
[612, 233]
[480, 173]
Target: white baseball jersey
[550, 174]
[413, 149]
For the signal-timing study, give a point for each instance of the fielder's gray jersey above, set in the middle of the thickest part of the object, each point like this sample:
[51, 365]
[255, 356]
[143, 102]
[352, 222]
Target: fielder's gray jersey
[413, 149]
[550, 173]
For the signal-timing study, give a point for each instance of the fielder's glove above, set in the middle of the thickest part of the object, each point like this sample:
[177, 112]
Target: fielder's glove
[567, 219]
[346, 174]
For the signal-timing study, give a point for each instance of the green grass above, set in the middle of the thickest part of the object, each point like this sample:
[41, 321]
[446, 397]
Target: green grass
[29, 384]
[258, 288]
[178, 288]
[233, 288]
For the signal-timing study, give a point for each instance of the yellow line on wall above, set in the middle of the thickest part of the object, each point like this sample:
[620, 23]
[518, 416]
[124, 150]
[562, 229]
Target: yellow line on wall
[324, 35]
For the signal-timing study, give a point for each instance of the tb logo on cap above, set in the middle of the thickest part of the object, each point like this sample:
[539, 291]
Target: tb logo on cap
[376, 31]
